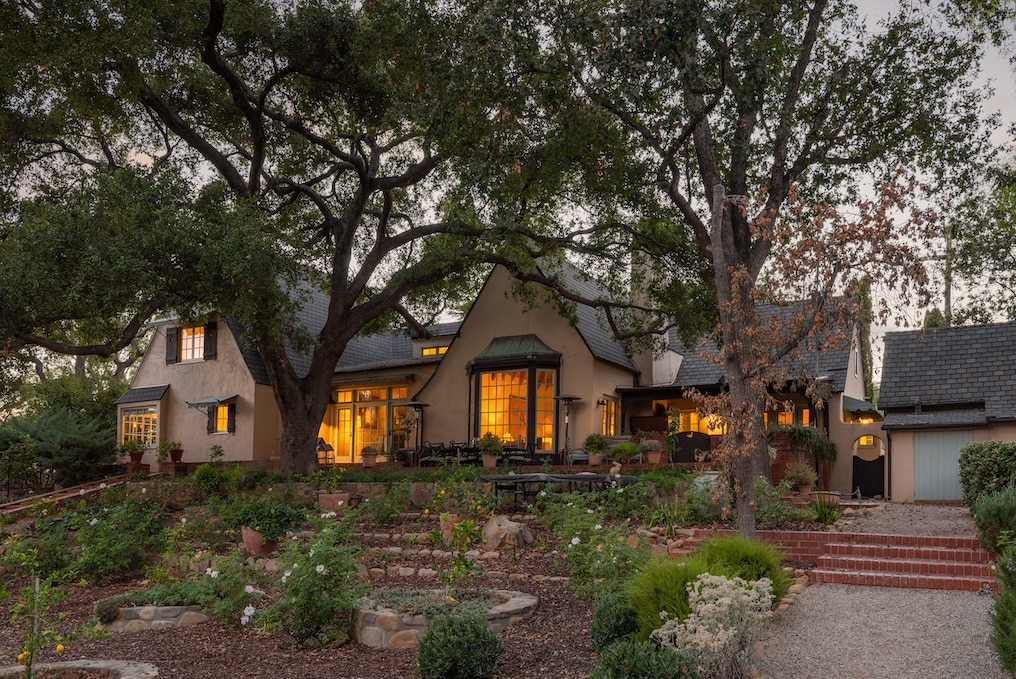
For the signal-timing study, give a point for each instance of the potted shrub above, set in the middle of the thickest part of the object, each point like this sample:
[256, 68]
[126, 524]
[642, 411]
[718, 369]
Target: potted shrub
[133, 450]
[490, 450]
[264, 521]
[171, 450]
[800, 475]
[327, 481]
[595, 446]
[651, 450]
[369, 456]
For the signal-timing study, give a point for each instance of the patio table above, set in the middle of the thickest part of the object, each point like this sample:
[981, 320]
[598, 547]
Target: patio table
[523, 487]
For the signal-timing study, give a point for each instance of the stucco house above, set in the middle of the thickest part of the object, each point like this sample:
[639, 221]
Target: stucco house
[941, 389]
[523, 372]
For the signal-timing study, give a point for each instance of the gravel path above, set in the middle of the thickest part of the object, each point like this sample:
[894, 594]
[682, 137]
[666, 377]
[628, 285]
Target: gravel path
[855, 632]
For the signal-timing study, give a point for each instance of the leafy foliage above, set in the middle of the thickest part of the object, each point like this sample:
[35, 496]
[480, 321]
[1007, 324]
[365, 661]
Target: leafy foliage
[613, 619]
[644, 659]
[995, 516]
[986, 467]
[318, 587]
[75, 450]
[459, 647]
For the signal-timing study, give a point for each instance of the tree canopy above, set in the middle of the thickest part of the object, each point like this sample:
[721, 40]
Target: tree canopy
[796, 146]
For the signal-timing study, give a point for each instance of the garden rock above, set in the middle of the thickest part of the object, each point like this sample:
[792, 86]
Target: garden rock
[500, 532]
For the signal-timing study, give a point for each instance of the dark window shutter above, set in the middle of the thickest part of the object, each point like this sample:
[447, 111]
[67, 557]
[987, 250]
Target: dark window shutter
[211, 419]
[172, 347]
[231, 418]
[211, 334]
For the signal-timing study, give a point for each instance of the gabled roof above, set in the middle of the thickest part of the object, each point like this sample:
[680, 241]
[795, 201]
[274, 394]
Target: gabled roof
[958, 376]
[697, 370]
[592, 322]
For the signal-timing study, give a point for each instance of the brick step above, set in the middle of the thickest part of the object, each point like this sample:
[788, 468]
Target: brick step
[906, 566]
[887, 579]
[950, 541]
[878, 551]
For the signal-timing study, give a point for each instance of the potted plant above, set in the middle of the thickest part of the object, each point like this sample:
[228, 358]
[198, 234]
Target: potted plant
[490, 450]
[327, 481]
[171, 450]
[134, 450]
[800, 475]
[595, 446]
[651, 450]
[368, 454]
[264, 521]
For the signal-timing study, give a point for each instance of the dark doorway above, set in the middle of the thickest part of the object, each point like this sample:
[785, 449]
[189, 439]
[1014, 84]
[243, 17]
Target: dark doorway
[869, 476]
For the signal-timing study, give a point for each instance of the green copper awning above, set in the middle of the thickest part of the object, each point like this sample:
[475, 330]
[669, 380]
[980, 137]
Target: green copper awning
[516, 346]
[861, 408]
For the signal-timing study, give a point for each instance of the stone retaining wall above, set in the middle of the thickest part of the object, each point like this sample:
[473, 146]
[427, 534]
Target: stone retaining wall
[137, 618]
[381, 627]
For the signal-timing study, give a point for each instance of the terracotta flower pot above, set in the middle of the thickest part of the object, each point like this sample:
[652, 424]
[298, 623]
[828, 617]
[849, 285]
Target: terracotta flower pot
[255, 543]
[136, 455]
[336, 502]
[595, 459]
[489, 460]
[369, 460]
[175, 454]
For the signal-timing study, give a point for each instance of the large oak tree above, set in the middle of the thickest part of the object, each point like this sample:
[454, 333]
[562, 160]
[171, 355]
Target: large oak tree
[798, 147]
[308, 141]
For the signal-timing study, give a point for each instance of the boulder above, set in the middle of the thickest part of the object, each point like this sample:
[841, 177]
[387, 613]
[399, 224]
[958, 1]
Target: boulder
[500, 532]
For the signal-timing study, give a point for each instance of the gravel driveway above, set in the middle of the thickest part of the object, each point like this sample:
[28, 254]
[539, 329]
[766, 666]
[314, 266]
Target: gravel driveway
[853, 632]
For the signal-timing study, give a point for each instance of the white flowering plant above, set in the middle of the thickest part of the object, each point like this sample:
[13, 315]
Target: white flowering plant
[727, 617]
[596, 551]
[316, 588]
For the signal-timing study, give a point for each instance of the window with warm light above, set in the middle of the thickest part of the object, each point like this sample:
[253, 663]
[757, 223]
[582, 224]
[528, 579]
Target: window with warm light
[434, 351]
[366, 416]
[192, 343]
[222, 418]
[139, 425]
[608, 420]
[690, 420]
[517, 409]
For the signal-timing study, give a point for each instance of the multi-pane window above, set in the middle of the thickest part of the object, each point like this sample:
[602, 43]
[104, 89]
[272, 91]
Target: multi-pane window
[221, 418]
[692, 421]
[504, 404]
[434, 351]
[192, 343]
[139, 425]
[368, 416]
[505, 399]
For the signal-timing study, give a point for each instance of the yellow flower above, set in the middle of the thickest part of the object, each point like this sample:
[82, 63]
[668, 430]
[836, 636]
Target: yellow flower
[442, 492]
[426, 511]
[59, 648]
[22, 656]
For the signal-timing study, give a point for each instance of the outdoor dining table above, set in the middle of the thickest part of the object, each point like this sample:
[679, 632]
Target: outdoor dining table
[523, 488]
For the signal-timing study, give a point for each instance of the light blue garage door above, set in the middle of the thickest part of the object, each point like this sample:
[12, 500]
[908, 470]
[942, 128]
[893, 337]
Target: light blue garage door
[937, 464]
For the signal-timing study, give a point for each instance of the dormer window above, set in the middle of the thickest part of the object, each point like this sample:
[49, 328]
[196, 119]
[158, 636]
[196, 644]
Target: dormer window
[189, 343]
[434, 351]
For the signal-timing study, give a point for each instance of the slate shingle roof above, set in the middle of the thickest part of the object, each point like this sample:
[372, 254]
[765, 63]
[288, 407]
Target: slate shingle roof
[963, 375]
[140, 394]
[366, 352]
[698, 371]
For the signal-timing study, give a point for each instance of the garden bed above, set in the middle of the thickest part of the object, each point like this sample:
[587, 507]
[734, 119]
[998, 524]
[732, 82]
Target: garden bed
[382, 627]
